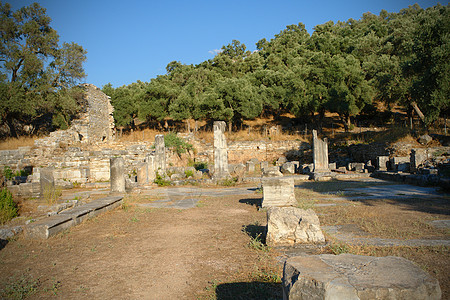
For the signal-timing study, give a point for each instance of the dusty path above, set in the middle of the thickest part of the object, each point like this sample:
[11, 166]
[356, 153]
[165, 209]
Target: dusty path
[142, 253]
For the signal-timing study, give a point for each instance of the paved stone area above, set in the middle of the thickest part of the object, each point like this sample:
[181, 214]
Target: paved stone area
[188, 197]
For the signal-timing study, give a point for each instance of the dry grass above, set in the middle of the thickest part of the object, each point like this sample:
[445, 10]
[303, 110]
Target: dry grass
[15, 143]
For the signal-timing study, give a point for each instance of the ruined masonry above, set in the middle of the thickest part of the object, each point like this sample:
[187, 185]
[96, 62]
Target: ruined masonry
[278, 191]
[220, 151]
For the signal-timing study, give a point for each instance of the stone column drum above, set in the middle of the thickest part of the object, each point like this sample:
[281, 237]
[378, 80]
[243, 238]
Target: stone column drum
[117, 171]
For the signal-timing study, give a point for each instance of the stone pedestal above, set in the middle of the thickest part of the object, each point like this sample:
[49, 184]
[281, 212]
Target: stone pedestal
[117, 171]
[278, 191]
[220, 151]
[160, 155]
[417, 157]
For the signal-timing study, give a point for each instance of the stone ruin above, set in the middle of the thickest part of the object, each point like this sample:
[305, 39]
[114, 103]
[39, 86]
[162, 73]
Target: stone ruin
[94, 123]
[220, 151]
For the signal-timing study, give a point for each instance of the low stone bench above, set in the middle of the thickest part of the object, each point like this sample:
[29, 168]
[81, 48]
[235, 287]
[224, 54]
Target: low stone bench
[50, 226]
[350, 277]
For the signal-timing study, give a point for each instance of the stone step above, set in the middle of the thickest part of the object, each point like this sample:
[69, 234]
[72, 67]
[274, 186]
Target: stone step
[51, 226]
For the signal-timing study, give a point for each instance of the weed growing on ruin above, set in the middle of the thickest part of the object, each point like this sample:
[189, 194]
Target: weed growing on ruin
[178, 145]
[20, 287]
[189, 173]
[257, 244]
[160, 181]
[56, 284]
[338, 248]
[229, 181]
[8, 208]
[52, 194]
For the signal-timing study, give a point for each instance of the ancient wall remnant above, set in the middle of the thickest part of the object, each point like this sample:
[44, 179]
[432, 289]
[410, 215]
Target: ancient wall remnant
[94, 123]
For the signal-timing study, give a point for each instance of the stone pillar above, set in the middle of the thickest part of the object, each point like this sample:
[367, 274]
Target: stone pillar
[320, 154]
[160, 155]
[117, 171]
[142, 173]
[150, 160]
[220, 151]
[382, 163]
[278, 192]
[46, 180]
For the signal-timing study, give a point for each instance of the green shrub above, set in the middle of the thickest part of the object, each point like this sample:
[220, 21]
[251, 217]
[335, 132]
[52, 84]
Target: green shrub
[189, 173]
[200, 165]
[8, 173]
[160, 181]
[177, 144]
[8, 208]
[229, 181]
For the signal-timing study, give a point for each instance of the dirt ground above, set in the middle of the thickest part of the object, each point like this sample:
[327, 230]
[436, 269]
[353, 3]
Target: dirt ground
[135, 253]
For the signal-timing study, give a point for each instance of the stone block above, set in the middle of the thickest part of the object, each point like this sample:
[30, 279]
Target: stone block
[263, 165]
[142, 173]
[425, 139]
[150, 160]
[292, 225]
[416, 158]
[348, 277]
[250, 167]
[281, 160]
[396, 161]
[288, 168]
[332, 166]
[278, 191]
[272, 171]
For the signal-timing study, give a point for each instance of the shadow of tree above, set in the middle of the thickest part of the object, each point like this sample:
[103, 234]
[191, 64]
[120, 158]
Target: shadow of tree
[249, 290]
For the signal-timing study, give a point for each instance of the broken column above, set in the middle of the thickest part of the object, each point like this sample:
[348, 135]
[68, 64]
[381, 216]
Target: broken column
[160, 155]
[117, 171]
[382, 163]
[150, 160]
[220, 151]
[278, 191]
[320, 157]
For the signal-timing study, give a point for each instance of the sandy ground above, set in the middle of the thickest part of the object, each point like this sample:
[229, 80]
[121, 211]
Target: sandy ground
[138, 253]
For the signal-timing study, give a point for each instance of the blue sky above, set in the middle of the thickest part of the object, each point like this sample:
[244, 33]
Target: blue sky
[134, 40]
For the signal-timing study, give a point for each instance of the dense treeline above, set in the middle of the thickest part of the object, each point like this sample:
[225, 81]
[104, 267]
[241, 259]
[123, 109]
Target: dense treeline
[345, 67]
[37, 74]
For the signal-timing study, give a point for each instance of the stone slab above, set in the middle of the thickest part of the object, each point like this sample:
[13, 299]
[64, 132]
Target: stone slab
[278, 191]
[349, 277]
[53, 225]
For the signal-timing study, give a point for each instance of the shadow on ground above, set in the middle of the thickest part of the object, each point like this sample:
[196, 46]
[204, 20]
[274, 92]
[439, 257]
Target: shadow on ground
[3, 243]
[249, 290]
[256, 231]
[252, 201]
[417, 200]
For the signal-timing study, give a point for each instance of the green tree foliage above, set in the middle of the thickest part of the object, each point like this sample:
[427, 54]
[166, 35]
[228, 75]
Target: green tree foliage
[343, 67]
[36, 74]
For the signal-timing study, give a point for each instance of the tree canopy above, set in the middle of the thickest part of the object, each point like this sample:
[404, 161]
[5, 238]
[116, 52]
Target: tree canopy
[395, 58]
[37, 74]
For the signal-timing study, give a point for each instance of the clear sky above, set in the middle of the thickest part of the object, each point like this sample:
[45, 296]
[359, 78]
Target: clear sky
[131, 40]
